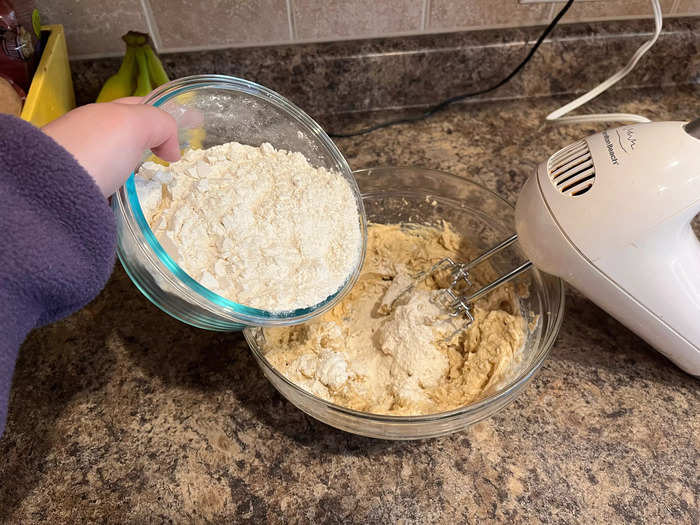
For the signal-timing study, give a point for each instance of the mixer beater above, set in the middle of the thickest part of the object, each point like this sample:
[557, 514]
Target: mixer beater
[453, 298]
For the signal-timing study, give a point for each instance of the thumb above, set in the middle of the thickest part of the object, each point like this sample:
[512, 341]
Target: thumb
[160, 133]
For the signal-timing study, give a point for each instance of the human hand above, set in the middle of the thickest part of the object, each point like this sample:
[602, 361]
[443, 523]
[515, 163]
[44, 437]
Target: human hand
[109, 139]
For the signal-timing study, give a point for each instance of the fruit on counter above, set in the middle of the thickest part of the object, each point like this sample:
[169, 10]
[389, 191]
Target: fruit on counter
[155, 67]
[123, 82]
[140, 72]
[156, 71]
[143, 81]
[134, 38]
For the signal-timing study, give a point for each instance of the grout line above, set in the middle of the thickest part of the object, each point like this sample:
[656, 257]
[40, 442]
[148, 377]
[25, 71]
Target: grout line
[290, 18]
[272, 43]
[97, 56]
[151, 25]
[425, 16]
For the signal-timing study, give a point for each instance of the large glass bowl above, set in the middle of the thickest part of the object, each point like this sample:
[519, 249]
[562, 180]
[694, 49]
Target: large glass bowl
[212, 110]
[394, 195]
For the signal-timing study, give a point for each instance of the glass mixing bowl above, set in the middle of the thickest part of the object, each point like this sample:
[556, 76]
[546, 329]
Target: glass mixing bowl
[212, 110]
[394, 195]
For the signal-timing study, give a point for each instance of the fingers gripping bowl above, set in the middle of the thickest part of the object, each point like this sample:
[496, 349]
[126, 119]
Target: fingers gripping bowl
[212, 110]
[414, 195]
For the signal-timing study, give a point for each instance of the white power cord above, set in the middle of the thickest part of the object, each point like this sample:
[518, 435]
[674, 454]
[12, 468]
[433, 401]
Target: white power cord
[558, 115]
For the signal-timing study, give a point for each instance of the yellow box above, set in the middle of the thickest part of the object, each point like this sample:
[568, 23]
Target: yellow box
[51, 92]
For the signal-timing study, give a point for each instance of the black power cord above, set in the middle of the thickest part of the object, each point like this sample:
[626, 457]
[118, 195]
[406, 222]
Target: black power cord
[442, 105]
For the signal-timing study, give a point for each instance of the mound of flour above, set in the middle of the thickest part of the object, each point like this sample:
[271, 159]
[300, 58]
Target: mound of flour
[259, 226]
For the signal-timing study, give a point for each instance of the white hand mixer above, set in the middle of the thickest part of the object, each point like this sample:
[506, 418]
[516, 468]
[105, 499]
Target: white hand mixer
[611, 214]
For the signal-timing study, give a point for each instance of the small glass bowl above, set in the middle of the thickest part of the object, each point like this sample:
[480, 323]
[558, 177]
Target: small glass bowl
[212, 110]
[395, 195]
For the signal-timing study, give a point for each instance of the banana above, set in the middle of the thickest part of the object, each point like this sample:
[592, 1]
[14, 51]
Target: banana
[155, 67]
[195, 138]
[143, 81]
[123, 82]
[134, 38]
[158, 160]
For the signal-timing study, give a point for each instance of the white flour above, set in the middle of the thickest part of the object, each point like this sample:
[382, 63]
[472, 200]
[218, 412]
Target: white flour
[259, 226]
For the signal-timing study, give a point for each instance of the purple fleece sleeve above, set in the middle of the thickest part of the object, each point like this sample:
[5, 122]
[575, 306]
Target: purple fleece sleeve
[57, 239]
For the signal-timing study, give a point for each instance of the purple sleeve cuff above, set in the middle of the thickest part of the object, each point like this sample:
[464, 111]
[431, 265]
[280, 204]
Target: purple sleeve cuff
[57, 238]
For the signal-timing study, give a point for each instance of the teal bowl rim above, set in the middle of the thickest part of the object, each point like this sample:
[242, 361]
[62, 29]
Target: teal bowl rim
[185, 84]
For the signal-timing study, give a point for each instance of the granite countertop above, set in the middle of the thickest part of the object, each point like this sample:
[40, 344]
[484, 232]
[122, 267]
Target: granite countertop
[122, 414]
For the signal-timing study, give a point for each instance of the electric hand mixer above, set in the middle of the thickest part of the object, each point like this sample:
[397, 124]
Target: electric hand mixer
[611, 214]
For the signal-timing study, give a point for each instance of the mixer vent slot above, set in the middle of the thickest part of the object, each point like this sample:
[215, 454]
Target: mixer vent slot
[571, 169]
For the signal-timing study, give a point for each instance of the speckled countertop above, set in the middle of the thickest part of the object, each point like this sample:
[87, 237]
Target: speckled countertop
[122, 414]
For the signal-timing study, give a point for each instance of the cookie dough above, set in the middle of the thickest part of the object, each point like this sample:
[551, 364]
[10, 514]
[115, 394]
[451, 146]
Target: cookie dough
[389, 347]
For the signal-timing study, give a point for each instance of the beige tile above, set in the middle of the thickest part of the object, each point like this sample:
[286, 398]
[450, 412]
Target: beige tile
[186, 24]
[611, 9]
[330, 19]
[94, 27]
[688, 7]
[458, 14]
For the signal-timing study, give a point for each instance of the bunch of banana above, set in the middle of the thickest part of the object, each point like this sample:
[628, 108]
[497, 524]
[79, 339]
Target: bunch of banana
[140, 72]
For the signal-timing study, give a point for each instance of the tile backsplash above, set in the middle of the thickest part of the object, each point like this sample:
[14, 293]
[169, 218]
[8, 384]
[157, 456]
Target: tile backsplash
[335, 19]
[185, 25]
[93, 27]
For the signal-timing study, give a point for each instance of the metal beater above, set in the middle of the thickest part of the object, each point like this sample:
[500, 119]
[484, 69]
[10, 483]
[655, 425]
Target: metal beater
[457, 303]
